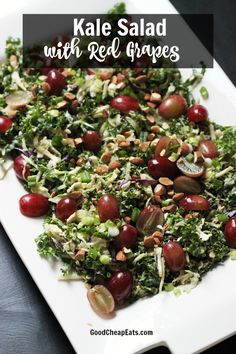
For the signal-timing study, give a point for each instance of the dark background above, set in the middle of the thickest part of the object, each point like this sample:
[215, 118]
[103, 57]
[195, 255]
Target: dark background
[27, 325]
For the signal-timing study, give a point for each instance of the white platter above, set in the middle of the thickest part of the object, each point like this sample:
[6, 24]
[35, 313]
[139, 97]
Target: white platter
[186, 324]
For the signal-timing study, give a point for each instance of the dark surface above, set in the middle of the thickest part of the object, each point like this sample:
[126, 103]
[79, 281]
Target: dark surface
[27, 325]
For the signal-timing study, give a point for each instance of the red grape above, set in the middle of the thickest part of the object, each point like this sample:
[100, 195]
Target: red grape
[124, 103]
[5, 124]
[197, 113]
[65, 207]
[172, 107]
[208, 149]
[194, 202]
[187, 185]
[108, 208]
[127, 237]
[162, 145]
[230, 232]
[120, 284]
[149, 220]
[161, 166]
[21, 168]
[92, 141]
[174, 256]
[56, 81]
[33, 204]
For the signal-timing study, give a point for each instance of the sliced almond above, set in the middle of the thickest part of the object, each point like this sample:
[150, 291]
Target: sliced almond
[151, 105]
[124, 144]
[147, 96]
[151, 241]
[121, 256]
[155, 97]
[114, 164]
[79, 255]
[150, 137]
[198, 157]
[159, 189]
[169, 208]
[46, 87]
[144, 146]
[150, 118]
[106, 156]
[136, 160]
[101, 170]
[166, 181]
[141, 78]
[62, 104]
[178, 196]
[78, 141]
[155, 128]
[69, 96]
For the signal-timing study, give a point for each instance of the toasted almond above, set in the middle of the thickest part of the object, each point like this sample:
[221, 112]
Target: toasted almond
[80, 162]
[189, 216]
[136, 160]
[121, 256]
[69, 96]
[185, 149]
[166, 181]
[177, 196]
[158, 234]
[120, 77]
[155, 128]
[62, 104]
[144, 146]
[79, 255]
[155, 97]
[159, 189]
[147, 96]
[101, 170]
[35, 91]
[124, 144]
[67, 72]
[136, 141]
[46, 87]
[75, 195]
[114, 79]
[151, 241]
[157, 198]
[128, 133]
[198, 157]
[141, 78]
[114, 164]
[78, 141]
[150, 137]
[169, 208]
[120, 86]
[171, 192]
[127, 219]
[68, 141]
[150, 118]
[106, 156]
[151, 104]
[74, 105]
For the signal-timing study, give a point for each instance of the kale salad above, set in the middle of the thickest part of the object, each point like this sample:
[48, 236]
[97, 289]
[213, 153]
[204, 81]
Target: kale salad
[137, 185]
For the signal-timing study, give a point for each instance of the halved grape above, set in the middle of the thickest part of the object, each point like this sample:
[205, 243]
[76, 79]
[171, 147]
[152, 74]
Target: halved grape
[149, 220]
[187, 185]
[101, 300]
[190, 169]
